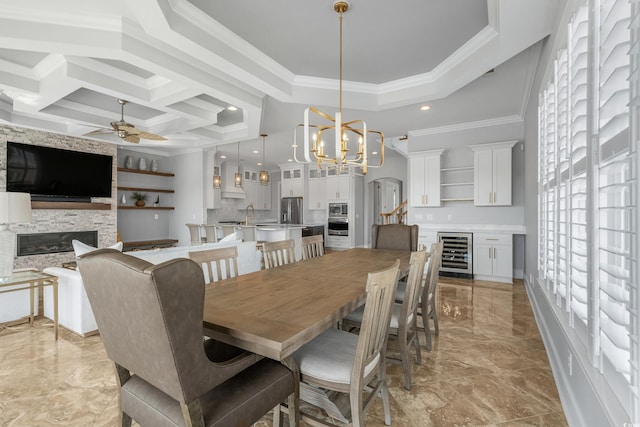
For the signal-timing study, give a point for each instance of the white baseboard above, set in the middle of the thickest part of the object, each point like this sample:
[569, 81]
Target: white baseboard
[582, 405]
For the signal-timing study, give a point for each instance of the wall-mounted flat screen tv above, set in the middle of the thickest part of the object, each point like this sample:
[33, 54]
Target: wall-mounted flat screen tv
[53, 174]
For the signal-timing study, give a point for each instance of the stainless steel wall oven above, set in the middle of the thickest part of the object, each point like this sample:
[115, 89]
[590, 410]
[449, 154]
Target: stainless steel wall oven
[338, 223]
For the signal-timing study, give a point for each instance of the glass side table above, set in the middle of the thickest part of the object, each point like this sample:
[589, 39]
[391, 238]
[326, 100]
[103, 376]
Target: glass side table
[32, 279]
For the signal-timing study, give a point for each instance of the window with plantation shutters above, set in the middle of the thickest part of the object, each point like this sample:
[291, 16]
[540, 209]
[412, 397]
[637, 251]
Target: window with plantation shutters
[589, 133]
[578, 44]
[613, 202]
[561, 175]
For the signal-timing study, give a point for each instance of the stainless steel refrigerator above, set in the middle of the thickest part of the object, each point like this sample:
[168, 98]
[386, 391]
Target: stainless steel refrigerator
[291, 210]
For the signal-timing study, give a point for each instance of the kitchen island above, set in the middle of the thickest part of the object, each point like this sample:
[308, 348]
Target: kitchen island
[277, 232]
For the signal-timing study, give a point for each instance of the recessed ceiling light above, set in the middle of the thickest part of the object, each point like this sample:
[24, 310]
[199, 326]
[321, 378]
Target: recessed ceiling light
[223, 156]
[232, 108]
[289, 160]
[425, 108]
[255, 151]
[374, 153]
[259, 163]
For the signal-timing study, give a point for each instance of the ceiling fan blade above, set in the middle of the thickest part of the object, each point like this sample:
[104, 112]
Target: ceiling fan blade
[152, 136]
[132, 138]
[130, 129]
[99, 132]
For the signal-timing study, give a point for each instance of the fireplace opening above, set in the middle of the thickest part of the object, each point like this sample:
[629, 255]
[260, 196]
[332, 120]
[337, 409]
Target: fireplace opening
[50, 243]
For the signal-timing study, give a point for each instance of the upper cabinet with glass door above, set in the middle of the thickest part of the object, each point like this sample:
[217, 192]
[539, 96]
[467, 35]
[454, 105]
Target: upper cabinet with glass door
[292, 184]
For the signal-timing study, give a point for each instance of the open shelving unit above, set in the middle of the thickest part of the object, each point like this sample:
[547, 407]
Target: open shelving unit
[145, 189]
[145, 172]
[457, 184]
[164, 208]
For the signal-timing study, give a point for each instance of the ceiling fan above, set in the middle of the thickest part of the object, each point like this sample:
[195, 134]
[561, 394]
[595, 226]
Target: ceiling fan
[126, 131]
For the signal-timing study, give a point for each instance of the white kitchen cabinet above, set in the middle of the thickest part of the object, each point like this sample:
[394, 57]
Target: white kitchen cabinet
[292, 188]
[292, 183]
[250, 187]
[258, 195]
[426, 239]
[317, 185]
[492, 173]
[493, 257]
[264, 197]
[338, 185]
[424, 178]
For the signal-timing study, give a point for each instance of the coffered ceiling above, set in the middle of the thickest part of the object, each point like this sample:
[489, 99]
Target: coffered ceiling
[182, 63]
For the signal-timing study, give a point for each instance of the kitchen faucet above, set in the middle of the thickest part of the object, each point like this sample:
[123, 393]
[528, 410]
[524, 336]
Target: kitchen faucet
[246, 213]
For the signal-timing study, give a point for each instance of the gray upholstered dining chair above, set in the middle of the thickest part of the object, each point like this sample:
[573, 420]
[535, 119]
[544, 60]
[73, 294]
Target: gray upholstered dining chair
[150, 320]
[217, 264]
[278, 253]
[395, 236]
[312, 246]
[347, 363]
[403, 323]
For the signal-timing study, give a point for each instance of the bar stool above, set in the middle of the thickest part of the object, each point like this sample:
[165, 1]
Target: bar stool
[194, 232]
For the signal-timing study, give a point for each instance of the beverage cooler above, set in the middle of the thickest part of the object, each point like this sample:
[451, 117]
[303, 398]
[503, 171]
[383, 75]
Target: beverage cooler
[457, 253]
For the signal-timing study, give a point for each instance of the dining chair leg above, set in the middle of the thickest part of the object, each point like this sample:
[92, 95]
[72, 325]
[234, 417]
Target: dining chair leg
[355, 400]
[434, 316]
[424, 305]
[293, 402]
[416, 343]
[427, 333]
[384, 390]
[404, 358]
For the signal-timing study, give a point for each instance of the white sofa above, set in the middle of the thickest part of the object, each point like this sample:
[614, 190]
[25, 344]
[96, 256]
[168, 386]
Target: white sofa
[74, 310]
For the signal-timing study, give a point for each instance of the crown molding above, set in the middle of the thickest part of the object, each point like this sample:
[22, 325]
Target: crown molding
[500, 121]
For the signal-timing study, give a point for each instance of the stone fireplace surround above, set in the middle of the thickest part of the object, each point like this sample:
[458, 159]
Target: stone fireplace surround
[61, 220]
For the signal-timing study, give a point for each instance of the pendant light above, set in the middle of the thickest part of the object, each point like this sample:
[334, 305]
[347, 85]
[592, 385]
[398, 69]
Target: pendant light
[237, 179]
[217, 180]
[264, 174]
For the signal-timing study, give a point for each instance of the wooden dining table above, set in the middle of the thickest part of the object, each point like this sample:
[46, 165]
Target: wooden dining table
[276, 311]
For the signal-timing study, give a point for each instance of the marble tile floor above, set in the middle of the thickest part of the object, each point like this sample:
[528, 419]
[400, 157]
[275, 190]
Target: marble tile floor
[488, 368]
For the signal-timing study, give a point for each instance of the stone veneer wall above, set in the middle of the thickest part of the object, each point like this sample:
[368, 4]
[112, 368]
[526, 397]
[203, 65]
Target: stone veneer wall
[52, 220]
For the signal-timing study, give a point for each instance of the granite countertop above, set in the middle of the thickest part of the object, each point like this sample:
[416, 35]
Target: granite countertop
[279, 226]
[491, 228]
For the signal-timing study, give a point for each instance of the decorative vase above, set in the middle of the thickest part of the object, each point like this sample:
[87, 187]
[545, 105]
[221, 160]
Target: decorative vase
[157, 202]
[154, 165]
[123, 201]
[140, 203]
[142, 164]
[128, 162]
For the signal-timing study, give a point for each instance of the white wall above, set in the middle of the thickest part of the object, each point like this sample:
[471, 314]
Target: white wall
[457, 154]
[189, 197]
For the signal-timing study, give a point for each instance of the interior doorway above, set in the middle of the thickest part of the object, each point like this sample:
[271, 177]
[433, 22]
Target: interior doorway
[387, 195]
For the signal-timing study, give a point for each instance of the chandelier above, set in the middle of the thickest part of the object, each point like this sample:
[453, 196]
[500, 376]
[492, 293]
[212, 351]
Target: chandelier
[341, 131]
[264, 173]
